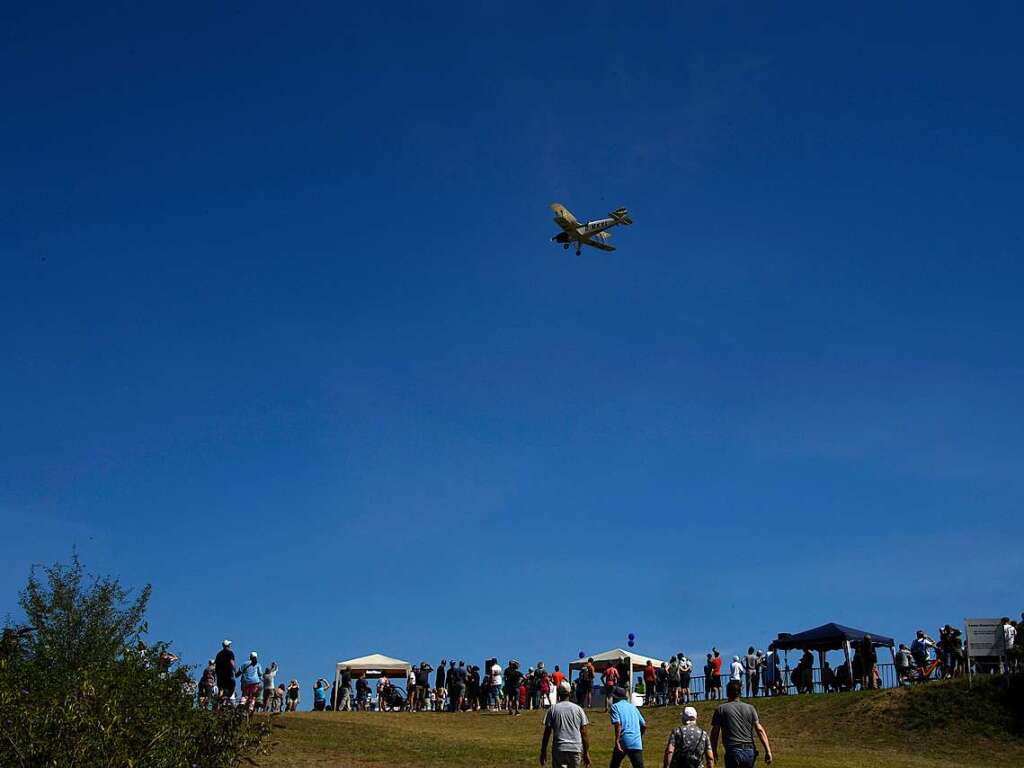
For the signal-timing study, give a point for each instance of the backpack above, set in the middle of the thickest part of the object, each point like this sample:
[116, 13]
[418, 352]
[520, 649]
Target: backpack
[692, 758]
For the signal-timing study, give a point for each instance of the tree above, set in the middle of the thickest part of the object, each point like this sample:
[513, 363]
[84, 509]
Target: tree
[80, 687]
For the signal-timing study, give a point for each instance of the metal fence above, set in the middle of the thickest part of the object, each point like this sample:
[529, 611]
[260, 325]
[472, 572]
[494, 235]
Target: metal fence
[887, 678]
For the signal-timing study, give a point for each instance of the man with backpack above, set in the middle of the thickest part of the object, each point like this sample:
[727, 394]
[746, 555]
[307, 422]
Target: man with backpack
[585, 684]
[689, 746]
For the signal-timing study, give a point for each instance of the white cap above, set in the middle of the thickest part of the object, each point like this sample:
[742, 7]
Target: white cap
[226, 643]
[253, 655]
[689, 714]
[565, 687]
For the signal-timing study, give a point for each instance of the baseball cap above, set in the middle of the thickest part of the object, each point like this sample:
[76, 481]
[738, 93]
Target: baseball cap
[226, 643]
[565, 687]
[689, 714]
[253, 655]
[618, 692]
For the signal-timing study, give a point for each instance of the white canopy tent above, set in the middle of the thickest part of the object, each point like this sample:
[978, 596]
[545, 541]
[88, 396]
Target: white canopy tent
[637, 662]
[374, 665]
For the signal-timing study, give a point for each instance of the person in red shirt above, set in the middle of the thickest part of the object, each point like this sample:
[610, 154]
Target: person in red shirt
[557, 676]
[609, 679]
[716, 671]
[650, 684]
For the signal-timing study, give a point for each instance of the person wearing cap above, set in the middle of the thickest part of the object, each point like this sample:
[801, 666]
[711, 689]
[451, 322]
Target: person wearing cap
[737, 722]
[292, 696]
[629, 727]
[224, 664]
[567, 723]
[251, 675]
[689, 746]
[736, 670]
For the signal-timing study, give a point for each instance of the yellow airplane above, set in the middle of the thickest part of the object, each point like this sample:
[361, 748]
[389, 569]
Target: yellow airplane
[593, 233]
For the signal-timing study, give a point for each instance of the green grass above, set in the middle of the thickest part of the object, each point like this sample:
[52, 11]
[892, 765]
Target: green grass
[940, 724]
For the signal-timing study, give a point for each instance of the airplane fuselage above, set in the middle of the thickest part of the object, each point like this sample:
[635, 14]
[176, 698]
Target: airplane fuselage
[585, 231]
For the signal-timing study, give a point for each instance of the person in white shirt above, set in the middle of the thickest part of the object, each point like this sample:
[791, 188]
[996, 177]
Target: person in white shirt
[736, 669]
[493, 700]
[1009, 635]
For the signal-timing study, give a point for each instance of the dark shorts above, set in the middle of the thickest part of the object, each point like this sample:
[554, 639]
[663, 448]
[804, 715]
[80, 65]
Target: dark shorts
[684, 679]
[226, 686]
[716, 681]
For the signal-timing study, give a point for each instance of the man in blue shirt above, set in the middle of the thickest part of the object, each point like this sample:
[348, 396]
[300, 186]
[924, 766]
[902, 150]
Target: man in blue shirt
[629, 730]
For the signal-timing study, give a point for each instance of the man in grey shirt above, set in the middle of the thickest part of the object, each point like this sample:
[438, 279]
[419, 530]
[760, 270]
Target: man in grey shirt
[737, 722]
[568, 722]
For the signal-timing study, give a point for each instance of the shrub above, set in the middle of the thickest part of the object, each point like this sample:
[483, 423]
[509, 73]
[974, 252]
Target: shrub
[78, 686]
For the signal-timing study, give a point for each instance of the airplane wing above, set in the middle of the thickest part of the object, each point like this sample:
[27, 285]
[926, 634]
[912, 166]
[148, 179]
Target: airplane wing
[563, 217]
[600, 246]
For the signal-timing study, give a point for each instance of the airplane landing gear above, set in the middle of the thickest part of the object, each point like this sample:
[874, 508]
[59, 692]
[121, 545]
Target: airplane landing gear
[566, 246]
[577, 250]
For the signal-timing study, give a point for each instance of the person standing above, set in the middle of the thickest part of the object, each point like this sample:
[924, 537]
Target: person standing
[251, 674]
[662, 683]
[440, 682]
[736, 670]
[737, 722]
[513, 679]
[685, 671]
[458, 686]
[650, 684]
[689, 746]
[609, 680]
[207, 684]
[557, 676]
[868, 658]
[292, 696]
[268, 685]
[494, 686]
[629, 727]
[423, 686]
[672, 679]
[342, 699]
[752, 661]
[567, 723]
[716, 672]
[410, 690]
[224, 664]
[320, 692]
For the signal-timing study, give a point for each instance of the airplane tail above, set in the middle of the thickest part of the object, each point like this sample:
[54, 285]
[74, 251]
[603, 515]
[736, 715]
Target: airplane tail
[621, 216]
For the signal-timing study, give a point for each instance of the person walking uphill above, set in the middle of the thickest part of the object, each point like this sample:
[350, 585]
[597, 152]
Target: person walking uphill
[737, 722]
[629, 727]
[689, 746]
[567, 722]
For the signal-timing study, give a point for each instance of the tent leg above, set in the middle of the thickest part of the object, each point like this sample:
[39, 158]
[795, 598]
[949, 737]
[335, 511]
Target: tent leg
[849, 662]
[821, 672]
[334, 698]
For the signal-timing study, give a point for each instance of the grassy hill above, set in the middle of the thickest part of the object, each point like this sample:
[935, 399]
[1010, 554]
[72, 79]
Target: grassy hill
[939, 724]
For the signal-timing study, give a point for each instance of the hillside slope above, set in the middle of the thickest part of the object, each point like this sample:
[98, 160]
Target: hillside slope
[934, 725]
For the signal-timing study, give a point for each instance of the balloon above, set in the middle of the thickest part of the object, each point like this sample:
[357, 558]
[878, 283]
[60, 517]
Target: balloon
[631, 636]
[582, 654]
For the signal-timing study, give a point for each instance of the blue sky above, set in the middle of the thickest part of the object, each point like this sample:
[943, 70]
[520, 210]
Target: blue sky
[282, 331]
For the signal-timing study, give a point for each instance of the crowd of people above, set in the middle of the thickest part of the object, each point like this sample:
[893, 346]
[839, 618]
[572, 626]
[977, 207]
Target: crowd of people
[455, 686]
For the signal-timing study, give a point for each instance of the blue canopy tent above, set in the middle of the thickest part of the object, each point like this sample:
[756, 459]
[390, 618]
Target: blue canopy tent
[832, 637]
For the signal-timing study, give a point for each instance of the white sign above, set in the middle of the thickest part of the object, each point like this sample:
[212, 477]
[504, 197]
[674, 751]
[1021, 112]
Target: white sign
[985, 637]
